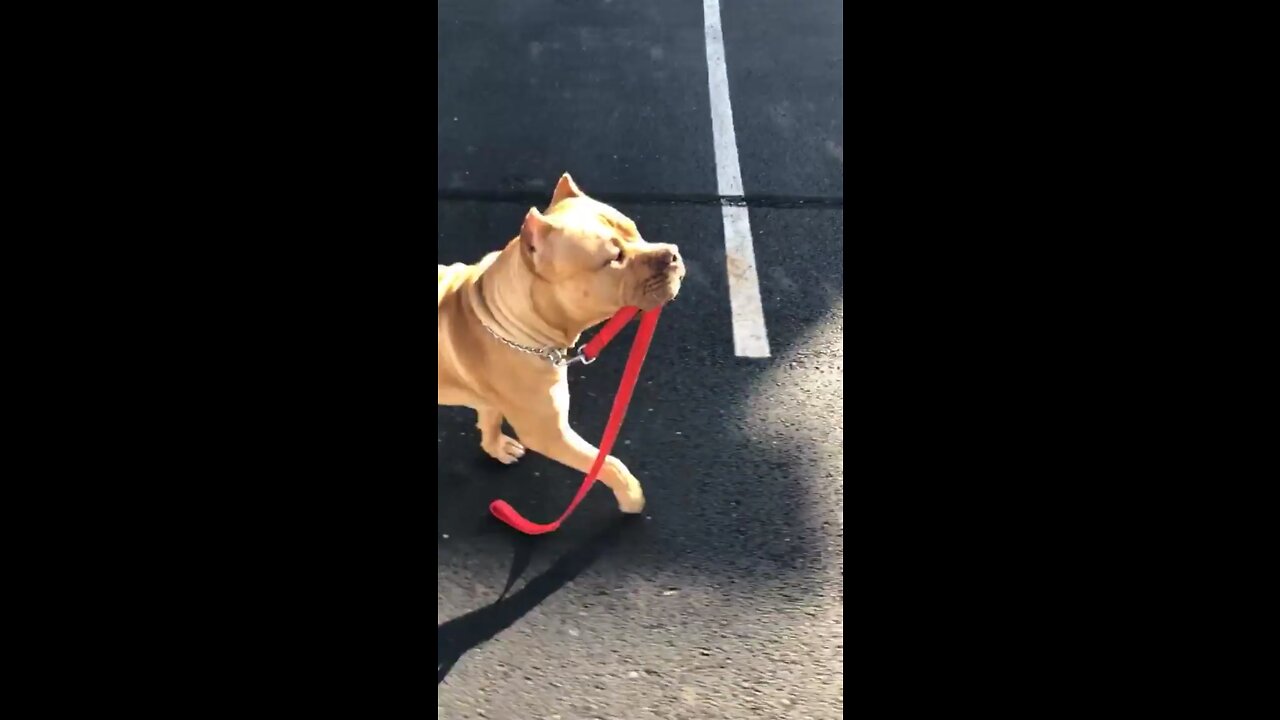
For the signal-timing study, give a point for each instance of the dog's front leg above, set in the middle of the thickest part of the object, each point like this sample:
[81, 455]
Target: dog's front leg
[552, 437]
[504, 449]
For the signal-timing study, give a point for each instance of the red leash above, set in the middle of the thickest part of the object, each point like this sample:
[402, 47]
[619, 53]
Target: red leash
[501, 509]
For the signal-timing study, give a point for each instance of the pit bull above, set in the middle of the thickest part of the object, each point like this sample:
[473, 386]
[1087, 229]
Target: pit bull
[506, 326]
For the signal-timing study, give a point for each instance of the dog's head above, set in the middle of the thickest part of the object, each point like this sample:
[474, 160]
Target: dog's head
[591, 260]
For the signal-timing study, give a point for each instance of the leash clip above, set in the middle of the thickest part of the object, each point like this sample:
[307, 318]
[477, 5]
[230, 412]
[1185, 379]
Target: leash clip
[579, 357]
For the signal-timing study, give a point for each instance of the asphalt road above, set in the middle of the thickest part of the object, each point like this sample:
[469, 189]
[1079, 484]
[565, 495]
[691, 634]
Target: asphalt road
[724, 600]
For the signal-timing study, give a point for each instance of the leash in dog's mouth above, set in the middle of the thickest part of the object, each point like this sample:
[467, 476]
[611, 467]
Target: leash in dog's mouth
[501, 509]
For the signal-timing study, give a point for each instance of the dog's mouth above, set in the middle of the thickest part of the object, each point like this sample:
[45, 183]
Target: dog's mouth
[661, 288]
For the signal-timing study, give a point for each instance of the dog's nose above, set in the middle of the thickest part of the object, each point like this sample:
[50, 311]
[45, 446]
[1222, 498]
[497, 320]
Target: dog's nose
[667, 257]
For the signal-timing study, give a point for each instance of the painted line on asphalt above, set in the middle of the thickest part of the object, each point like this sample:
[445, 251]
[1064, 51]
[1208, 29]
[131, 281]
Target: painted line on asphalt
[750, 337]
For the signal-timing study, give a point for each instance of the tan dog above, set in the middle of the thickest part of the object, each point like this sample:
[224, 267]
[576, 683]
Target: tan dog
[506, 325]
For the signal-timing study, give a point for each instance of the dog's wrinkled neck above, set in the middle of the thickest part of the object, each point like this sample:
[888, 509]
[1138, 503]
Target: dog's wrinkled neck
[508, 302]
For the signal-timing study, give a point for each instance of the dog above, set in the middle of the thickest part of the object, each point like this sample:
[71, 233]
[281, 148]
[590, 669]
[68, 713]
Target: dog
[505, 326]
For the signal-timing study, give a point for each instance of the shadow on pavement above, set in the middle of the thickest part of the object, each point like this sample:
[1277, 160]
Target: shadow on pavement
[455, 637]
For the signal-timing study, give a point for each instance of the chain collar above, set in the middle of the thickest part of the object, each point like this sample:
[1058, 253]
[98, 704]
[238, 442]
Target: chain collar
[560, 357]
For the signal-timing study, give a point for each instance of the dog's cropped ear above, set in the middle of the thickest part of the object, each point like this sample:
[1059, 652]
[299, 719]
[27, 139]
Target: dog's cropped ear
[533, 233]
[566, 188]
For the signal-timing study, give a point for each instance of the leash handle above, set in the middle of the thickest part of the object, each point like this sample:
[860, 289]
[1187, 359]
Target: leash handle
[502, 510]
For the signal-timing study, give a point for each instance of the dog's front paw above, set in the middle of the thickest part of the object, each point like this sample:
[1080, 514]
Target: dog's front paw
[626, 488]
[631, 502]
[505, 450]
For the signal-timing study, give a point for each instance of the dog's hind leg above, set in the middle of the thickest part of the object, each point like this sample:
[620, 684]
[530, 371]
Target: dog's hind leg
[500, 447]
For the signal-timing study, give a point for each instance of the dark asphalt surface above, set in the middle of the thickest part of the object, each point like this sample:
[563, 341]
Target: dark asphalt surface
[725, 599]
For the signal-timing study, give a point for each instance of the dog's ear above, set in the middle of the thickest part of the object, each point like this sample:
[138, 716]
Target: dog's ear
[533, 233]
[566, 188]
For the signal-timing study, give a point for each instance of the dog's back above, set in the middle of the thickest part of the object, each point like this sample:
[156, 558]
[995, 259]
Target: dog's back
[448, 279]
[457, 329]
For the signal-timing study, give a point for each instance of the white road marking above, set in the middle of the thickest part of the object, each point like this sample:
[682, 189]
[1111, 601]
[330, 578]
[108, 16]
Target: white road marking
[750, 337]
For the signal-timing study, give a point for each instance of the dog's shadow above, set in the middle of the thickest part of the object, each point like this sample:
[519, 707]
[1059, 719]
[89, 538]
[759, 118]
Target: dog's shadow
[455, 637]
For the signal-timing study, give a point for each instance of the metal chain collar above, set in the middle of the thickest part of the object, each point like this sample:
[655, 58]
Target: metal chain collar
[560, 357]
